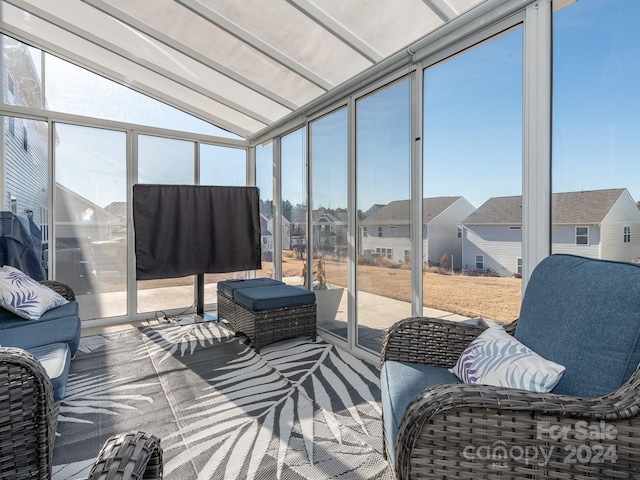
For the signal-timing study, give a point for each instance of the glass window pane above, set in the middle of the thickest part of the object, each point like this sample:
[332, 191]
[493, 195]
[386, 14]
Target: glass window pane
[223, 166]
[90, 216]
[21, 69]
[473, 160]
[165, 161]
[595, 130]
[329, 164]
[294, 205]
[264, 181]
[383, 160]
[26, 194]
[227, 167]
[72, 89]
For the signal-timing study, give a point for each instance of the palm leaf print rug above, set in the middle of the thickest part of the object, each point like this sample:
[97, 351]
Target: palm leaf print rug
[300, 409]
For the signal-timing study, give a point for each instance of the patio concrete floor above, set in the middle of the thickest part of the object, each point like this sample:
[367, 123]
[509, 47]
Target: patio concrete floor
[375, 312]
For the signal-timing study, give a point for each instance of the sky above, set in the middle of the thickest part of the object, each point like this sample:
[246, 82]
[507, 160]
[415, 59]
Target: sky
[473, 123]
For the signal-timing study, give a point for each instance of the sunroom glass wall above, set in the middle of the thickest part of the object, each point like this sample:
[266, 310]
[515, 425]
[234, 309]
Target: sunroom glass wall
[383, 163]
[596, 99]
[472, 215]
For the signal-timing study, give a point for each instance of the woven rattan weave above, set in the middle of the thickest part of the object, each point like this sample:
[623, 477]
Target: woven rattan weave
[134, 455]
[268, 326]
[28, 419]
[60, 288]
[28, 416]
[485, 432]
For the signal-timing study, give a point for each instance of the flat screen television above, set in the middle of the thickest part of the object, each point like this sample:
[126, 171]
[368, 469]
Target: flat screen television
[183, 230]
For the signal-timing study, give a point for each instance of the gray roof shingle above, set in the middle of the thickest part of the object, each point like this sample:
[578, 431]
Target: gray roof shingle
[586, 207]
[399, 210]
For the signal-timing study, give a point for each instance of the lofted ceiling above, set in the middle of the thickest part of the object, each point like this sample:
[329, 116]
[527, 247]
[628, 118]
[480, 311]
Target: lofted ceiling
[243, 65]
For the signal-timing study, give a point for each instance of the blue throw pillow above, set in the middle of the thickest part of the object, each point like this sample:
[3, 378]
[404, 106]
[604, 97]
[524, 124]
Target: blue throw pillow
[23, 296]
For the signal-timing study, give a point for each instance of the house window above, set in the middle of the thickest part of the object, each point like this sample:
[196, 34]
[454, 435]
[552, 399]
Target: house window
[379, 231]
[364, 232]
[12, 126]
[479, 262]
[582, 235]
[519, 267]
[25, 140]
[627, 233]
[407, 256]
[459, 232]
[13, 204]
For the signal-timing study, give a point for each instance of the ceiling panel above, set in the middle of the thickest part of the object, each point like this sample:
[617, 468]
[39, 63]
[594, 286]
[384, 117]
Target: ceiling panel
[242, 65]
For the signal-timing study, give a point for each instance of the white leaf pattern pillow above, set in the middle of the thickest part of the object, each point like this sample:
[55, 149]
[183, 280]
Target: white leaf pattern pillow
[22, 295]
[496, 358]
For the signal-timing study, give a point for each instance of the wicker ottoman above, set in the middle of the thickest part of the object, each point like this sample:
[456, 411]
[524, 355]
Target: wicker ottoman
[271, 313]
[226, 305]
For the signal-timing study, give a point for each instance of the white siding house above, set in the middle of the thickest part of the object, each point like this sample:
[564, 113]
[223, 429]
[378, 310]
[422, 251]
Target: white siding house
[596, 224]
[329, 231]
[387, 233]
[24, 188]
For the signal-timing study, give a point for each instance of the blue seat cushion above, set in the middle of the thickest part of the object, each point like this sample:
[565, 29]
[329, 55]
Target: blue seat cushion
[56, 359]
[400, 382]
[228, 287]
[584, 314]
[273, 297]
[60, 324]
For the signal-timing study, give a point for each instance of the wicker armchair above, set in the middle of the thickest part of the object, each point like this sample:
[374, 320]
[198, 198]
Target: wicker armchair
[458, 430]
[28, 419]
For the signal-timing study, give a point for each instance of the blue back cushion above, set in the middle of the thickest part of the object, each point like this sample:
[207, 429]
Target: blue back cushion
[584, 314]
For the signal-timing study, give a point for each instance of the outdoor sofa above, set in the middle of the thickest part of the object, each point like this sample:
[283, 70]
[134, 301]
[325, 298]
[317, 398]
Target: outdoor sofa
[52, 336]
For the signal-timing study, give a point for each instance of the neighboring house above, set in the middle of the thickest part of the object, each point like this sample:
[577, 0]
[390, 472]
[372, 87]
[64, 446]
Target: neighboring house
[297, 229]
[286, 238]
[596, 224]
[266, 237]
[387, 231]
[24, 188]
[372, 209]
[329, 231]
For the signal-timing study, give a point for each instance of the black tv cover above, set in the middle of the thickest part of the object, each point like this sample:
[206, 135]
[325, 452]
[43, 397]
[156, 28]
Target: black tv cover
[183, 230]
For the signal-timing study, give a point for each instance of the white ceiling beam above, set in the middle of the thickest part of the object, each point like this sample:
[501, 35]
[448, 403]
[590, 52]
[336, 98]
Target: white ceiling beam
[250, 39]
[338, 30]
[189, 52]
[442, 8]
